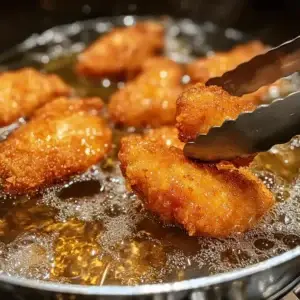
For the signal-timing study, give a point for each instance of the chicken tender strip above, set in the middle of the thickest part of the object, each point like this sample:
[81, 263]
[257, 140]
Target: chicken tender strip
[150, 99]
[23, 91]
[63, 138]
[122, 51]
[216, 65]
[202, 107]
[207, 200]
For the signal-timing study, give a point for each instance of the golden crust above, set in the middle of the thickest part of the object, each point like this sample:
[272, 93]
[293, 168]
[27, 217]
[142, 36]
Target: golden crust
[202, 107]
[23, 91]
[150, 99]
[216, 65]
[122, 51]
[166, 135]
[64, 138]
[207, 199]
[61, 106]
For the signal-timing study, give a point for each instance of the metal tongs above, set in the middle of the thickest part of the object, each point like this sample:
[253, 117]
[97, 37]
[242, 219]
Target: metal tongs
[268, 125]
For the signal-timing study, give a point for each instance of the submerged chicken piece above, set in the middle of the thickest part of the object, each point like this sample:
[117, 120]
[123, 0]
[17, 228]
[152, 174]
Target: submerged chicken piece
[216, 65]
[201, 107]
[122, 51]
[24, 90]
[150, 99]
[63, 138]
[207, 199]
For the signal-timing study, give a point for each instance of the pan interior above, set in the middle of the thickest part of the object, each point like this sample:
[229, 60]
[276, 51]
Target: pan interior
[90, 230]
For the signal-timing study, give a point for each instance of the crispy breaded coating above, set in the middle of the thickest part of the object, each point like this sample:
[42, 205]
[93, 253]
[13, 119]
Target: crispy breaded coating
[216, 65]
[166, 135]
[206, 199]
[64, 138]
[23, 91]
[202, 107]
[122, 51]
[63, 106]
[150, 99]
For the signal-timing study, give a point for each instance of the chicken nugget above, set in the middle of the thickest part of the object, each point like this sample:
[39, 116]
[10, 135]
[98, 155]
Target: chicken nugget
[206, 199]
[150, 99]
[122, 52]
[63, 138]
[24, 90]
[201, 107]
[216, 65]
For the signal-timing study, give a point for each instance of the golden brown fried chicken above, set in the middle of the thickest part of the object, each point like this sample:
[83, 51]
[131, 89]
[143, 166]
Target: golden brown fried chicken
[216, 65]
[201, 107]
[207, 199]
[150, 99]
[122, 51]
[23, 91]
[63, 138]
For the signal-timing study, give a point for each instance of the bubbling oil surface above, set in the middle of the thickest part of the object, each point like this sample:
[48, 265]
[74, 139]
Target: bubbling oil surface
[91, 230]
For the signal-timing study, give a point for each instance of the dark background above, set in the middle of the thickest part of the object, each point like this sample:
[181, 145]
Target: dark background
[272, 21]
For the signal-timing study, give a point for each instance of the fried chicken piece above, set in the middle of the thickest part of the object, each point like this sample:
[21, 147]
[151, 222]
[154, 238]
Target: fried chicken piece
[216, 65]
[63, 138]
[23, 91]
[202, 107]
[207, 199]
[150, 99]
[122, 51]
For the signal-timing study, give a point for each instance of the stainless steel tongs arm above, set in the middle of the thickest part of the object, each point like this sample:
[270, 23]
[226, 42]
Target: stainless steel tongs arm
[250, 133]
[263, 128]
[261, 70]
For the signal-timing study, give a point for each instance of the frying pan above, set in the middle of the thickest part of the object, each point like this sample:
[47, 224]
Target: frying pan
[270, 279]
